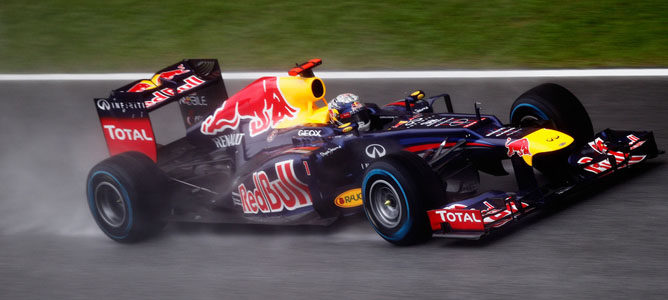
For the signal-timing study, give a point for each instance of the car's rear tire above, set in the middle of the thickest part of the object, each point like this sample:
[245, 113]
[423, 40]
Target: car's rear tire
[555, 103]
[125, 196]
[397, 190]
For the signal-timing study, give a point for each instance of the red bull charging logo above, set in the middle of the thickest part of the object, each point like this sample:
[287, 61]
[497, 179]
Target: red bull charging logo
[157, 79]
[519, 147]
[261, 102]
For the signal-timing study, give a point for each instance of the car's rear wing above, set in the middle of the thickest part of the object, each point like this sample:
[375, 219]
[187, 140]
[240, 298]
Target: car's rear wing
[196, 84]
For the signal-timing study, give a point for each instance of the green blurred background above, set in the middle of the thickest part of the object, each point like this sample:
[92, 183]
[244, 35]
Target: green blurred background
[94, 36]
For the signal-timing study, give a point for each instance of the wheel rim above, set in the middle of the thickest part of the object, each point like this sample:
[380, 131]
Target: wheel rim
[385, 203]
[528, 120]
[110, 205]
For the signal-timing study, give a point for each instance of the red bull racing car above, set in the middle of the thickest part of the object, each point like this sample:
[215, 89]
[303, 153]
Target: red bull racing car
[277, 152]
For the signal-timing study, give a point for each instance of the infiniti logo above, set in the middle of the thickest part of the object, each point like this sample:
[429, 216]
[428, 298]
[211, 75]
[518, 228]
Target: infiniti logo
[375, 151]
[103, 104]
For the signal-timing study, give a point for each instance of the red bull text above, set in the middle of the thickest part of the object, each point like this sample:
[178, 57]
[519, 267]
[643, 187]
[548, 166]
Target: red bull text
[286, 192]
[164, 94]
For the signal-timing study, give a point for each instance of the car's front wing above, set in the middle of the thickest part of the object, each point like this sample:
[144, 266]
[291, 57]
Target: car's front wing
[609, 152]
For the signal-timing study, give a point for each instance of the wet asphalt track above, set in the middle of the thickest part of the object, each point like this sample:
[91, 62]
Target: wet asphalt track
[610, 243]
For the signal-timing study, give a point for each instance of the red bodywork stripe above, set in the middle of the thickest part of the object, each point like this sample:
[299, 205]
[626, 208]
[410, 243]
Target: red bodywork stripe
[423, 147]
[300, 150]
[479, 144]
[305, 148]
[418, 148]
[399, 103]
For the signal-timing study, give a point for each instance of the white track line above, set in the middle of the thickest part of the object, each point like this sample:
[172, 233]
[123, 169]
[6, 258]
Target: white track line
[369, 74]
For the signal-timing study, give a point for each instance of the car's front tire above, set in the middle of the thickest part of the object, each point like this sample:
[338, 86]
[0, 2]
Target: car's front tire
[552, 102]
[397, 190]
[125, 195]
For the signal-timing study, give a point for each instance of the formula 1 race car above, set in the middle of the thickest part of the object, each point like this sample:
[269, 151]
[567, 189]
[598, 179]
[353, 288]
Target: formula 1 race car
[277, 153]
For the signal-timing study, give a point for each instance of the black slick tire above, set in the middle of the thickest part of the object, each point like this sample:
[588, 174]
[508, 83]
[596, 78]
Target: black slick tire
[552, 102]
[397, 191]
[125, 195]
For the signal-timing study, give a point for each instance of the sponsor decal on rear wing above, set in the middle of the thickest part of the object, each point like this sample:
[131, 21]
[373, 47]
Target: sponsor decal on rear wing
[174, 83]
[129, 134]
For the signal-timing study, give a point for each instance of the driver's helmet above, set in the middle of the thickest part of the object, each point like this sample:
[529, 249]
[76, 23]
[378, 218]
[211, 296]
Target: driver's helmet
[346, 108]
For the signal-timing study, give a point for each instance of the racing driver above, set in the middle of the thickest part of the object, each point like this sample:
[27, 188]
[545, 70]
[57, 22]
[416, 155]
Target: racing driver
[346, 108]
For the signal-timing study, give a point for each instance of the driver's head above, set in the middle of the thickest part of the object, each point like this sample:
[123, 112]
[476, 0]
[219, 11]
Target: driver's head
[347, 108]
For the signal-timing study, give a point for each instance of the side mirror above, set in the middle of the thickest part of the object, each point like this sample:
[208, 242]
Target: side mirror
[417, 95]
[412, 98]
